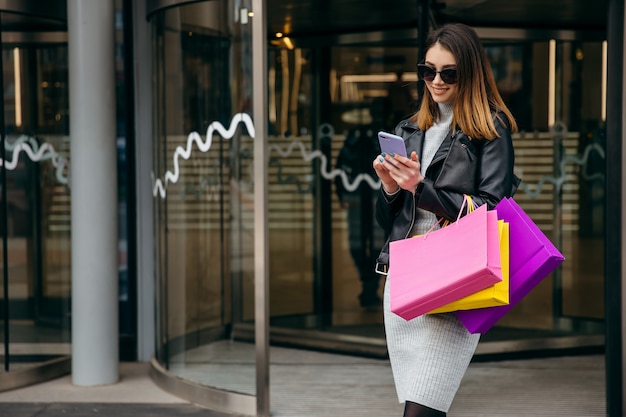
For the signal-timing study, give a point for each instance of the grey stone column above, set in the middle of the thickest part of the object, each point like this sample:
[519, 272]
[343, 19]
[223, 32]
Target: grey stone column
[93, 185]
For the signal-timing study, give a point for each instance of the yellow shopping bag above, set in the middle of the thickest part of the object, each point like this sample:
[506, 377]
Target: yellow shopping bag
[497, 294]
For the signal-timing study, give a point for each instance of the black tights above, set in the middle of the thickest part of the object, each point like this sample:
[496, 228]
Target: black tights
[418, 410]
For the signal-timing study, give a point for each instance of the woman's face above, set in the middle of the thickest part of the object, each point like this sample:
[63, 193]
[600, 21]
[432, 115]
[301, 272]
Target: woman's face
[439, 59]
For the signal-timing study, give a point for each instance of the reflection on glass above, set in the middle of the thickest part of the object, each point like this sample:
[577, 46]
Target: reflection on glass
[205, 231]
[373, 89]
[204, 218]
[38, 205]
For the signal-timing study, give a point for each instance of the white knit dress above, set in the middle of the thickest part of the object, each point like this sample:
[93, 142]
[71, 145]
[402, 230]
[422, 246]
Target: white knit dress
[430, 354]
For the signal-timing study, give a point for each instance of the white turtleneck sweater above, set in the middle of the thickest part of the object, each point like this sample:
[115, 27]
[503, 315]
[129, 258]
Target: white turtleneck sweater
[433, 138]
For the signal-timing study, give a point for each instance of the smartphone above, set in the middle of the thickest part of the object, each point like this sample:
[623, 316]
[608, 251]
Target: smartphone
[391, 144]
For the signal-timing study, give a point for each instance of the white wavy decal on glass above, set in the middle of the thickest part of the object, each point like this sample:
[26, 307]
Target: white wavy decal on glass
[375, 184]
[36, 153]
[160, 186]
[560, 180]
[326, 174]
[308, 156]
[559, 133]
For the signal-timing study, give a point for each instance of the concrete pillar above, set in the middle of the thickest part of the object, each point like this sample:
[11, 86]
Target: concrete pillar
[93, 176]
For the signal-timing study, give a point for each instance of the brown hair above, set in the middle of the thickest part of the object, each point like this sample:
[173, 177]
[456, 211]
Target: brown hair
[477, 96]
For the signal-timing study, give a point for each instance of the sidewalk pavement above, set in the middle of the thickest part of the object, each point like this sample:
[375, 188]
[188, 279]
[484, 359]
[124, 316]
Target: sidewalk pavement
[134, 395]
[572, 386]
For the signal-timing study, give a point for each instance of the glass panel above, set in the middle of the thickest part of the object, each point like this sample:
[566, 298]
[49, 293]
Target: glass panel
[290, 198]
[515, 69]
[374, 89]
[203, 189]
[582, 198]
[559, 156]
[562, 170]
[38, 232]
[370, 89]
[325, 106]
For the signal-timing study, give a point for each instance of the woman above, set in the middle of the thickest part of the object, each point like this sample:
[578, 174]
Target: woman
[458, 142]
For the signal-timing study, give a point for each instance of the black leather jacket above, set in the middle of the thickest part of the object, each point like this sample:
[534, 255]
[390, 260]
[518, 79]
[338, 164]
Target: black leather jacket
[480, 168]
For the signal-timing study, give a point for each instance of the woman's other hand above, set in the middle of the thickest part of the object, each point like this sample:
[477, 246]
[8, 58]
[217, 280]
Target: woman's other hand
[398, 171]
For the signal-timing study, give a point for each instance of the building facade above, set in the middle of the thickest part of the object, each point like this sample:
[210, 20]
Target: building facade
[189, 176]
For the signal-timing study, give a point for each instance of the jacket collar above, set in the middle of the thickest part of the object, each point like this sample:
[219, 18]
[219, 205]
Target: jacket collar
[414, 137]
[443, 148]
[417, 143]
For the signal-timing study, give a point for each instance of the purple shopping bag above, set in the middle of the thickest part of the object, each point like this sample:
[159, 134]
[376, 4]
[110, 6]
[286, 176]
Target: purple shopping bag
[429, 271]
[532, 257]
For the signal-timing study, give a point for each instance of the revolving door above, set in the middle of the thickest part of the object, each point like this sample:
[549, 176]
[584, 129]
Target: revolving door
[35, 214]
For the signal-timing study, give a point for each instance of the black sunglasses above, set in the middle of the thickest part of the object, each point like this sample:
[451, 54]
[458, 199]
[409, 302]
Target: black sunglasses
[427, 73]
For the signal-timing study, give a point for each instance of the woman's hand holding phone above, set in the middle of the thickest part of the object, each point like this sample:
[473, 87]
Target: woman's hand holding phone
[403, 172]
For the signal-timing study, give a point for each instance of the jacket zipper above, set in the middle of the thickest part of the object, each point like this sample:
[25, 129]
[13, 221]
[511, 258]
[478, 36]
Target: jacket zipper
[406, 235]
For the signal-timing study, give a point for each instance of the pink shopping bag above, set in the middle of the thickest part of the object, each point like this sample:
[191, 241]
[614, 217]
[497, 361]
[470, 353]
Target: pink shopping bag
[532, 257]
[432, 270]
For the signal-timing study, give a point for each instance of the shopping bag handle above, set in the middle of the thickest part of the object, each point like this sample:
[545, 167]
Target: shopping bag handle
[467, 201]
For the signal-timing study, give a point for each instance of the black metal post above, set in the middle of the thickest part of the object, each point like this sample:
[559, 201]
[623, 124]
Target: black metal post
[322, 263]
[128, 339]
[614, 312]
[423, 10]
